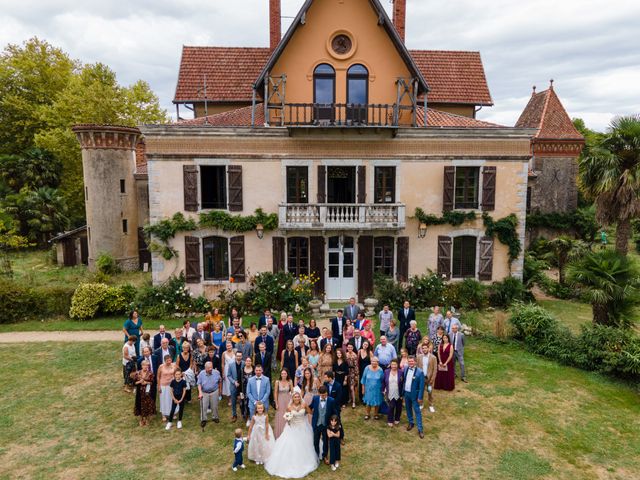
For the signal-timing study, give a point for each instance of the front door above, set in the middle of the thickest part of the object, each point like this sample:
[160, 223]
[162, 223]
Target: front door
[340, 268]
[341, 184]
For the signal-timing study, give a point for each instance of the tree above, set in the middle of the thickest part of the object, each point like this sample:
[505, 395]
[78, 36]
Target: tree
[31, 76]
[34, 168]
[610, 175]
[611, 282]
[562, 250]
[41, 213]
[9, 240]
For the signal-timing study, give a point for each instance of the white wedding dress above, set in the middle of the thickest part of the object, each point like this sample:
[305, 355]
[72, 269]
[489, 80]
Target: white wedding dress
[293, 455]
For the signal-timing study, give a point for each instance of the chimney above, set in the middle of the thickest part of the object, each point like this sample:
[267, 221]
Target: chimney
[400, 16]
[274, 23]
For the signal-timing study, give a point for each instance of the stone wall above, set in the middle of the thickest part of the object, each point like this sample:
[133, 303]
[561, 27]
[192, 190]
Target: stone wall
[554, 189]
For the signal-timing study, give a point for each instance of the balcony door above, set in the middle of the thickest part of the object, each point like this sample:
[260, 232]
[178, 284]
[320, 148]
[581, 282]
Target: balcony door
[357, 94]
[340, 267]
[341, 184]
[324, 93]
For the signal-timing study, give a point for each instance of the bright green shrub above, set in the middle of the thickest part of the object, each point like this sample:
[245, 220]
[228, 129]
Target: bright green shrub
[17, 302]
[509, 290]
[118, 299]
[87, 299]
[471, 294]
[106, 264]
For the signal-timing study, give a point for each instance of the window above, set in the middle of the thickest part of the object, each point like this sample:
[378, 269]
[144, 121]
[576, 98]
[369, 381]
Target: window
[86, 193]
[324, 92]
[464, 257]
[297, 184]
[385, 185]
[122, 186]
[466, 187]
[215, 251]
[298, 256]
[358, 85]
[213, 185]
[383, 255]
[124, 225]
[528, 199]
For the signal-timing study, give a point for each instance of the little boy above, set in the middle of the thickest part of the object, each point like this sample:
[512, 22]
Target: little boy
[238, 448]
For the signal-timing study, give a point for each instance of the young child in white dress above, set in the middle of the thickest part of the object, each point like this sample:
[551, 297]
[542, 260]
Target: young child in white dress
[260, 437]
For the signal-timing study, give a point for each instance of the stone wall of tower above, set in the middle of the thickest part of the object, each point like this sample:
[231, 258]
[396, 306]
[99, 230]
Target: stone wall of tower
[554, 188]
[111, 197]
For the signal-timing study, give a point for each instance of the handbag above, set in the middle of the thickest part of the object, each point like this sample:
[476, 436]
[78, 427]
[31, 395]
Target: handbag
[443, 368]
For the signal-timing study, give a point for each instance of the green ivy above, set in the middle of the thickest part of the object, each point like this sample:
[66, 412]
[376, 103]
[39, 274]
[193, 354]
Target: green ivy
[238, 223]
[165, 230]
[452, 217]
[582, 221]
[506, 231]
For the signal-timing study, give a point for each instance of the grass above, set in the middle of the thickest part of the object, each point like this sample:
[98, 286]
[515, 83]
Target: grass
[34, 267]
[571, 313]
[64, 415]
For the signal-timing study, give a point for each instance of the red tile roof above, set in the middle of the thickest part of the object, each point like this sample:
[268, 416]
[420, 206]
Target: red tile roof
[546, 113]
[453, 76]
[242, 118]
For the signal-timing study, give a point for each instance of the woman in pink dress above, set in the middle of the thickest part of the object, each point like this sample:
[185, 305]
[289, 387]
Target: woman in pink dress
[282, 396]
[445, 378]
[347, 334]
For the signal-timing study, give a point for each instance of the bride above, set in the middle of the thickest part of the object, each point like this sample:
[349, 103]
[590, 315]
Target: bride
[293, 455]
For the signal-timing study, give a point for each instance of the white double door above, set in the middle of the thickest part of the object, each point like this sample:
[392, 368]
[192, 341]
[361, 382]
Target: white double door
[340, 267]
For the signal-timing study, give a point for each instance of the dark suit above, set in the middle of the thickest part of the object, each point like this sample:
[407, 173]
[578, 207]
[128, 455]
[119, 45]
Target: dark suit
[335, 329]
[334, 392]
[404, 322]
[157, 340]
[205, 336]
[266, 367]
[324, 341]
[268, 341]
[263, 321]
[157, 355]
[289, 331]
[353, 342]
[320, 431]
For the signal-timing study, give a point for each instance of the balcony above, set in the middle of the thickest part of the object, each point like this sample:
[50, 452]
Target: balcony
[340, 115]
[338, 216]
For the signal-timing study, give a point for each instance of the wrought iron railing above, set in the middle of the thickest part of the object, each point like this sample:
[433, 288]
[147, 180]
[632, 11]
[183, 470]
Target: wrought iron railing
[340, 114]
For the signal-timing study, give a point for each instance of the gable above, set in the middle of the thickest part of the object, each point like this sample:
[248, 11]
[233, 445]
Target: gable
[375, 41]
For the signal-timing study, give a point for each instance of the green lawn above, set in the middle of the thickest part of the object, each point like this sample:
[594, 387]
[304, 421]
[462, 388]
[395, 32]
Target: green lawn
[573, 314]
[34, 267]
[64, 415]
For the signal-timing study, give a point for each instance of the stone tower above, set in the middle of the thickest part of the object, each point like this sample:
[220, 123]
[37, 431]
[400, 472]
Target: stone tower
[109, 165]
[555, 148]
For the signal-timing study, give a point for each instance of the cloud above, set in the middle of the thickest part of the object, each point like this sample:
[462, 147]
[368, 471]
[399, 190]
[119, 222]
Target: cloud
[588, 47]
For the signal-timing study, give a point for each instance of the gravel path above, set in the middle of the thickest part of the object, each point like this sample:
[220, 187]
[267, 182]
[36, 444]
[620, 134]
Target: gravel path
[78, 336]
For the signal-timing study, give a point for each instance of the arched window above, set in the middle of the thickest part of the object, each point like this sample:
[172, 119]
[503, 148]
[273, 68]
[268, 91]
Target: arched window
[215, 252]
[324, 92]
[358, 85]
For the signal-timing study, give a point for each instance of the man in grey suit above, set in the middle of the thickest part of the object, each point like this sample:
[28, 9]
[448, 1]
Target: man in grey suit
[457, 340]
[234, 375]
[351, 311]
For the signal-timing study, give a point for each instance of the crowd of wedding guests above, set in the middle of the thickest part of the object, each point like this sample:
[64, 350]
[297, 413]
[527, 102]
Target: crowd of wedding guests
[387, 370]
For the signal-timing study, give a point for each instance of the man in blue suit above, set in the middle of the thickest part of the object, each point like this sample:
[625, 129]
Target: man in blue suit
[323, 407]
[265, 338]
[334, 389]
[413, 391]
[258, 389]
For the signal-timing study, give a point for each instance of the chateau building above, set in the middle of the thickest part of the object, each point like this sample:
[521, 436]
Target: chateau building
[365, 150]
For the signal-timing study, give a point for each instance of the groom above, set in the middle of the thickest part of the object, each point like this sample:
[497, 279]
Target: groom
[323, 406]
[258, 389]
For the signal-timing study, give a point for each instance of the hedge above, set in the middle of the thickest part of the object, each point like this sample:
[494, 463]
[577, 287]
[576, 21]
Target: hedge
[19, 302]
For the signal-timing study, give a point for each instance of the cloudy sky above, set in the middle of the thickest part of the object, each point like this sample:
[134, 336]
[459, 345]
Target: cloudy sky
[590, 48]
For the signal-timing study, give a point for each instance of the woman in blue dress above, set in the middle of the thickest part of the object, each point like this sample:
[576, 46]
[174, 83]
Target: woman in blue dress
[372, 380]
[217, 335]
[133, 326]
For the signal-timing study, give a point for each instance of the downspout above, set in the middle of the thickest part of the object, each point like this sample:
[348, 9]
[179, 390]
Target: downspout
[425, 109]
[266, 99]
[253, 106]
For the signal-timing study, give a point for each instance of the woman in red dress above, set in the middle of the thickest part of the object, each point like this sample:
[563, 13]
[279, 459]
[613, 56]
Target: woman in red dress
[445, 378]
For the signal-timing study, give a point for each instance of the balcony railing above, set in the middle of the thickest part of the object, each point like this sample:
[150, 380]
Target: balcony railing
[339, 216]
[339, 115]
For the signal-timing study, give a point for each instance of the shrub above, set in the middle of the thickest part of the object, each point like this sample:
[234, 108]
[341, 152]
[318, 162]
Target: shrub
[228, 299]
[118, 299]
[509, 290]
[471, 294]
[426, 290]
[87, 299]
[54, 301]
[533, 324]
[106, 264]
[20, 302]
[387, 291]
[557, 290]
[280, 291]
[170, 298]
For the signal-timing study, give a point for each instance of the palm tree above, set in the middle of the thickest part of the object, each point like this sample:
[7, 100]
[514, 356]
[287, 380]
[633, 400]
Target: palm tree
[563, 249]
[611, 282]
[610, 175]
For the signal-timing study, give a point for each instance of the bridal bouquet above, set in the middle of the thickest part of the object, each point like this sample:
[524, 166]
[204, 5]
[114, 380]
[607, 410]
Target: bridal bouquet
[288, 416]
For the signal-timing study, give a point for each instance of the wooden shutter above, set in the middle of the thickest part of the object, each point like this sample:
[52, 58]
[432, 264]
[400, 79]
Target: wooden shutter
[192, 259]
[322, 181]
[190, 183]
[444, 256]
[448, 188]
[278, 254]
[402, 263]
[489, 188]
[485, 271]
[235, 187]
[365, 267]
[316, 263]
[236, 253]
[362, 184]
